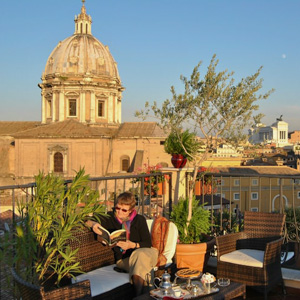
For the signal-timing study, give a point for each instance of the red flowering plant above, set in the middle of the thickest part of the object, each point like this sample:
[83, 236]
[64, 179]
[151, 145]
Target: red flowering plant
[151, 182]
[203, 174]
[207, 181]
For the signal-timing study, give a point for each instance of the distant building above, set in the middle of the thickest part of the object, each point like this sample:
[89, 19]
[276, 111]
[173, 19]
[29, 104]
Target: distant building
[258, 191]
[294, 137]
[228, 151]
[276, 134]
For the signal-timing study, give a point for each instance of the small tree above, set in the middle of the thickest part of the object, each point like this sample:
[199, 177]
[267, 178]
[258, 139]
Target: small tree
[215, 105]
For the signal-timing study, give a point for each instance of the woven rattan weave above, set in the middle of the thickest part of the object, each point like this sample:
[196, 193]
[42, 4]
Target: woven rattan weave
[262, 231]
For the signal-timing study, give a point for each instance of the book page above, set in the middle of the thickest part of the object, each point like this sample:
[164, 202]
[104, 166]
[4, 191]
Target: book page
[105, 236]
[118, 235]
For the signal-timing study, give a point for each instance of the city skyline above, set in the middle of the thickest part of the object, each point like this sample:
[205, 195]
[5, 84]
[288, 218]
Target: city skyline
[154, 42]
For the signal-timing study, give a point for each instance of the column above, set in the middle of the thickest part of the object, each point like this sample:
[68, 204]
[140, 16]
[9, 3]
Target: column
[93, 103]
[53, 104]
[82, 107]
[43, 109]
[61, 111]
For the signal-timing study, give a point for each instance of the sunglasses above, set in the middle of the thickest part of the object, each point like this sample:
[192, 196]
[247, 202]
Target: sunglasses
[122, 209]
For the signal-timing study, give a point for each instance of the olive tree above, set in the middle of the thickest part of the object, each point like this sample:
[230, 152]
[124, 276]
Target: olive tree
[212, 105]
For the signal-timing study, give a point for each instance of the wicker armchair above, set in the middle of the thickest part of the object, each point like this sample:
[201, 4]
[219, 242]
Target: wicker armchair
[253, 255]
[80, 290]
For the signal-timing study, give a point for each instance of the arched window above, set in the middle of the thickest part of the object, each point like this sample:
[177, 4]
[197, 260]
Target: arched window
[125, 163]
[58, 162]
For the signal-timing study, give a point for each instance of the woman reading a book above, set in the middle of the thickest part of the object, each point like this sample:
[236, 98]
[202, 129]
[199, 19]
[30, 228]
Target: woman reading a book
[135, 255]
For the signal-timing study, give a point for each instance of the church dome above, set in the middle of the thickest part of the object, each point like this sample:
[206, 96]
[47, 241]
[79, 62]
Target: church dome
[81, 80]
[81, 54]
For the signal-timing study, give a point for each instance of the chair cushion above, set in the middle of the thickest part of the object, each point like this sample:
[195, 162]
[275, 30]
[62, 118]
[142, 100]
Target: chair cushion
[103, 279]
[170, 246]
[245, 257]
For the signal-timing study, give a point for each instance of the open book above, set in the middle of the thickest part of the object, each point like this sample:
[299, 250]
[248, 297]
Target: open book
[111, 239]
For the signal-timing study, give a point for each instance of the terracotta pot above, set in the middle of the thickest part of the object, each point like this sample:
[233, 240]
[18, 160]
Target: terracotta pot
[154, 192]
[178, 160]
[161, 189]
[193, 256]
[199, 188]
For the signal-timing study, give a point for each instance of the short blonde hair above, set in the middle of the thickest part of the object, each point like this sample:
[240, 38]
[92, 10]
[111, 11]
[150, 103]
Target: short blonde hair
[127, 198]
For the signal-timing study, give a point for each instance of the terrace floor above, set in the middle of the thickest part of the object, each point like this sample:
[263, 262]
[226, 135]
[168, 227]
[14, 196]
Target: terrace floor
[275, 294]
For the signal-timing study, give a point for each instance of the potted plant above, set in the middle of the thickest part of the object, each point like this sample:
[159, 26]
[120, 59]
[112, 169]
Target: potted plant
[205, 183]
[153, 184]
[194, 244]
[182, 145]
[214, 106]
[42, 254]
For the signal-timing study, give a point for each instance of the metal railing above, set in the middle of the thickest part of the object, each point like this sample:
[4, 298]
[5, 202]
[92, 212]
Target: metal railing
[237, 193]
[150, 200]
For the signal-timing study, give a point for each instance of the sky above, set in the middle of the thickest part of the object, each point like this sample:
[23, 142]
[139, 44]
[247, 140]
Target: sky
[154, 42]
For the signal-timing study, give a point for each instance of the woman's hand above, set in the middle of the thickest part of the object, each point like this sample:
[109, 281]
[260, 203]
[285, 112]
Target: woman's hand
[127, 245]
[96, 228]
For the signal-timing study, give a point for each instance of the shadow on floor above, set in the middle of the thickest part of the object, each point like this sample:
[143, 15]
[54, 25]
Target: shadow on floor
[275, 294]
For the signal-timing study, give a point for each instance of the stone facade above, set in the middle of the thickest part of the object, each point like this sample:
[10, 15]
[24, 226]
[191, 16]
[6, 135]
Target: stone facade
[276, 134]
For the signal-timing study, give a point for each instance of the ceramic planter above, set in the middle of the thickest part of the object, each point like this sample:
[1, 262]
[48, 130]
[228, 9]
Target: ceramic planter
[193, 256]
[178, 161]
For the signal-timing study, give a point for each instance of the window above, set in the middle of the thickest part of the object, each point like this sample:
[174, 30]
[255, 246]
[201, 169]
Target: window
[100, 108]
[223, 195]
[58, 158]
[297, 181]
[255, 181]
[58, 162]
[72, 108]
[255, 209]
[298, 194]
[254, 196]
[236, 182]
[125, 163]
[282, 135]
[236, 196]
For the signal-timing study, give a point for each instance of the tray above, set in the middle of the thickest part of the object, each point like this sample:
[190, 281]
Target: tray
[158, 294]
[185, 294]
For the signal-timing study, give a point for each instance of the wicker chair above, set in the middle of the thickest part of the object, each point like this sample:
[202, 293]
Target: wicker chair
[261, 240]
[80, 290]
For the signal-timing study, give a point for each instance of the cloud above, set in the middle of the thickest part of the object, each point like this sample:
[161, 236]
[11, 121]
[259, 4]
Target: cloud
[283, 56]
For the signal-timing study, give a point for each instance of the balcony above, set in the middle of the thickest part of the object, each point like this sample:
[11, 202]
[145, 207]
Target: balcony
[233, 194]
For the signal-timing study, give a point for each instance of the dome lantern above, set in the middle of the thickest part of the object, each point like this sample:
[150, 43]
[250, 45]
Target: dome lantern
[83, 22]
